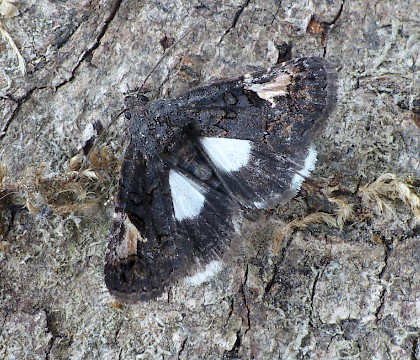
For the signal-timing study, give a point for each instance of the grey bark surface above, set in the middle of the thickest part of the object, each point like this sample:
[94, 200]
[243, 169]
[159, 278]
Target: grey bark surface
[329, 293]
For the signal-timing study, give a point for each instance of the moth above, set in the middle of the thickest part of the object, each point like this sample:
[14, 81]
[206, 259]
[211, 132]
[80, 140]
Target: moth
[197, 163]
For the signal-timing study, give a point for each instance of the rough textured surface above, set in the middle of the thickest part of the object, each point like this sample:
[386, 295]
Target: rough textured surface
[328, 293]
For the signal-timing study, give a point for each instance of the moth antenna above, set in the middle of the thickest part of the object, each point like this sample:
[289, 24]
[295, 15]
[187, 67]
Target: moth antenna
[167, 52]
[102, 133]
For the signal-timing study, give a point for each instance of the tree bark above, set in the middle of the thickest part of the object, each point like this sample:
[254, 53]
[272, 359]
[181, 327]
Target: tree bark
[329, 292]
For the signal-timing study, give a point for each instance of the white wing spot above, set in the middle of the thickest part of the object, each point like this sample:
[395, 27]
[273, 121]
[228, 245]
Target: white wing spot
[211, 269]
[259, 205]
[131, 236]
[308, 167]
[227, 154]
[270, 90]
[187, 196]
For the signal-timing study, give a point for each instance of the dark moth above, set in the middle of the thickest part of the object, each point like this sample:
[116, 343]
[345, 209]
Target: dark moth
[196, 163]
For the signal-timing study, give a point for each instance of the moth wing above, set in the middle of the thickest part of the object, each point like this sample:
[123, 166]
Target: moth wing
[255, 174]
[172, 218]
[257, 130]
[283, 106]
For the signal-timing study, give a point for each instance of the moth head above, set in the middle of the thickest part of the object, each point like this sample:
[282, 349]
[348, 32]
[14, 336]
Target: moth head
[142, 99]
[135, 102]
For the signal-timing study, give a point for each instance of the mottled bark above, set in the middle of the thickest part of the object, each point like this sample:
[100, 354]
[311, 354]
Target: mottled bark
[328, 292]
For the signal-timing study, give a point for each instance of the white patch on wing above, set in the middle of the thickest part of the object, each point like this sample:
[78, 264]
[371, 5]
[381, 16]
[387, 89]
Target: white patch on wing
[187, 196]
[237, 223]
[131, 236]
[269, 90]
[211, 269]
[227, 154]
[259, 204]
[308, 167]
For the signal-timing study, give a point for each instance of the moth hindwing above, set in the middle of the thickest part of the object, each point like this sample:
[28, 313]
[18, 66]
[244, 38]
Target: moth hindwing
[196, 162]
